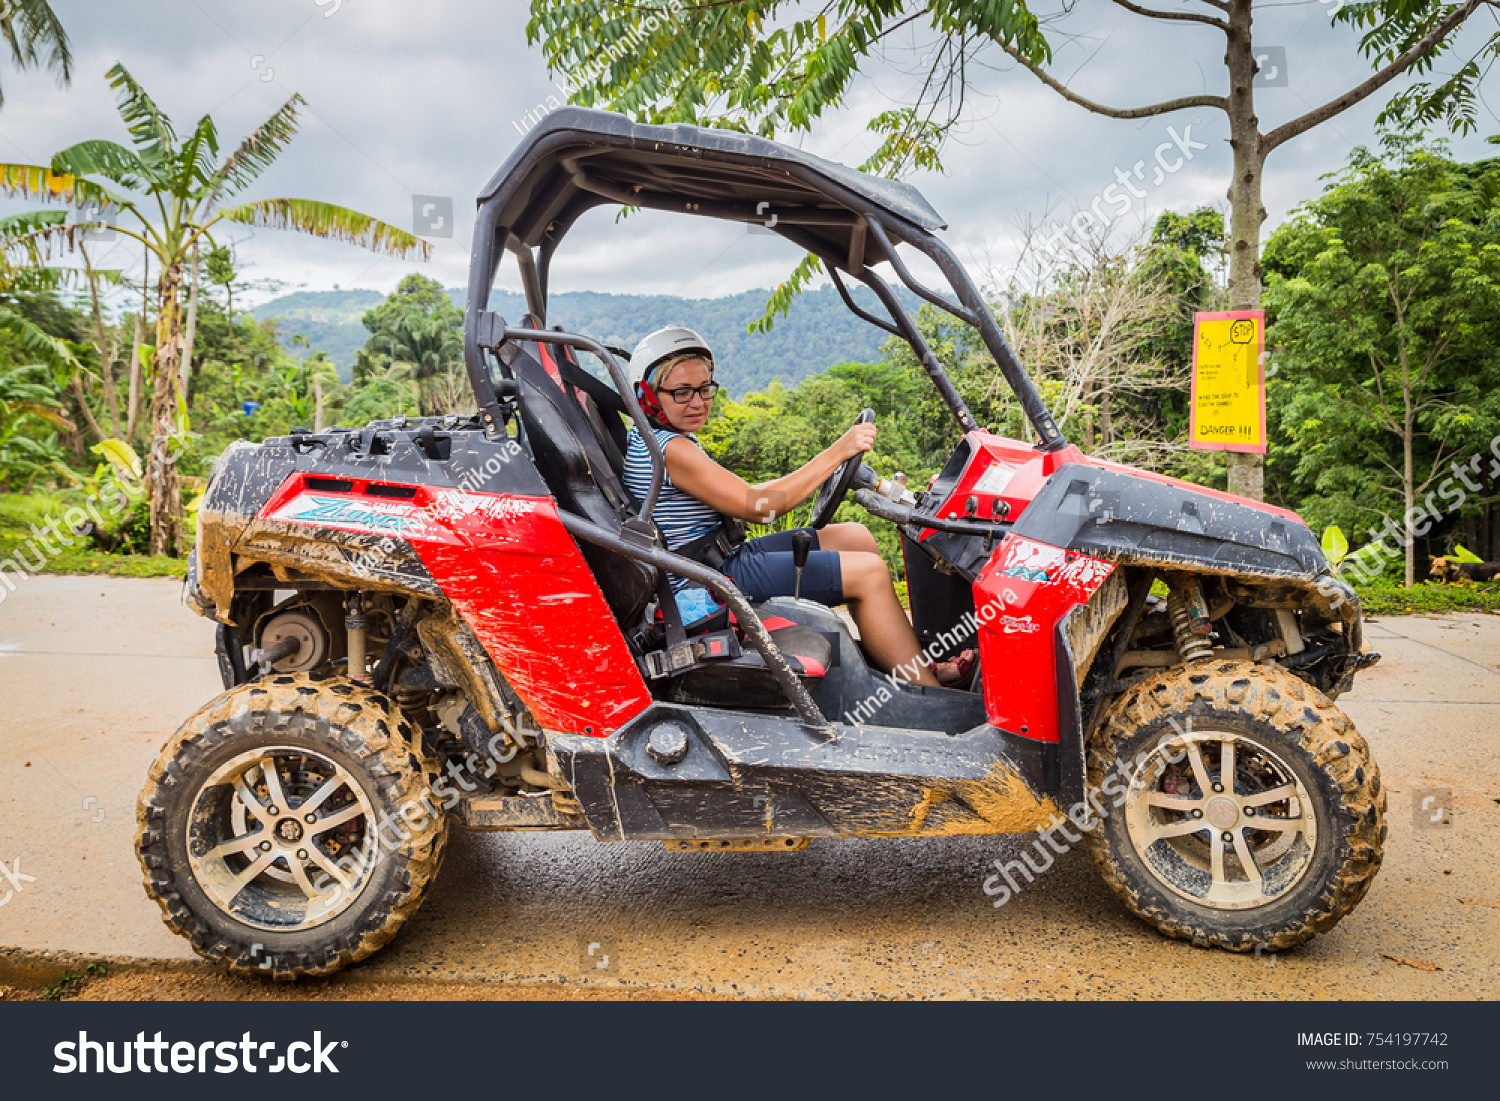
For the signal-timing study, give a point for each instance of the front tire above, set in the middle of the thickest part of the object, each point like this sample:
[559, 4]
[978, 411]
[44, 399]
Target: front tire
[1253, 816]
[287, 830]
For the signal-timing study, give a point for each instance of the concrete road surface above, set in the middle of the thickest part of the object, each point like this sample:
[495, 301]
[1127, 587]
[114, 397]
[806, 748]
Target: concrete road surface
[95, 673]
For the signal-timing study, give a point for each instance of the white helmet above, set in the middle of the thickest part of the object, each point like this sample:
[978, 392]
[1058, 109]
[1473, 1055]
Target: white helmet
[663, 343]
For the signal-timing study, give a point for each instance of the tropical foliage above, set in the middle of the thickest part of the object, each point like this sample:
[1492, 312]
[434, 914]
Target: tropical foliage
[1384, 305]
[171, 192]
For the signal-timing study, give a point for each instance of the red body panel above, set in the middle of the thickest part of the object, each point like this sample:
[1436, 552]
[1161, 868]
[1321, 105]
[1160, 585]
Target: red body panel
[516, 577]
[1013, 472]
[1026, 587]
[1019, 596]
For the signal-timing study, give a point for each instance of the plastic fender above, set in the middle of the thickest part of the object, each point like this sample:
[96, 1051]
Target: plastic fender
[513, 573]
[1019, 597]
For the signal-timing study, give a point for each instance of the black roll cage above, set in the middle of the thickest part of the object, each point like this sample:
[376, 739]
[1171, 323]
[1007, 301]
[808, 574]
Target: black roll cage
[873, 232]
[547, 184]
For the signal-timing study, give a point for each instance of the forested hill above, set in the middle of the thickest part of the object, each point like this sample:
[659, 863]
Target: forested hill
[818, 333]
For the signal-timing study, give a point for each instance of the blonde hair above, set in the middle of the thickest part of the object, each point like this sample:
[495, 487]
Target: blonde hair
[663, 370]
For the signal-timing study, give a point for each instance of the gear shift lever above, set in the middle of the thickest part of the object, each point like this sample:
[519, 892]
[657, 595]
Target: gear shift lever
[802, 542]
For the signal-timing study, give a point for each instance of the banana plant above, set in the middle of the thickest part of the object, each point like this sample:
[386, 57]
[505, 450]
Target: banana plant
[1335, 546]
[36, 37]
[167, 194]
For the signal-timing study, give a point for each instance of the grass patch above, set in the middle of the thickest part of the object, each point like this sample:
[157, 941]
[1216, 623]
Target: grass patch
[18, 514]
[72, 983]
[1383, 597]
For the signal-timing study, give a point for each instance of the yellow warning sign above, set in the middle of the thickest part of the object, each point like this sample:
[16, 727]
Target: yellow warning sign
[1229, 382]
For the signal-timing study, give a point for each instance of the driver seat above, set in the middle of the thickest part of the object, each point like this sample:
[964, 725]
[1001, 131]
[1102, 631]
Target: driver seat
[744, 682]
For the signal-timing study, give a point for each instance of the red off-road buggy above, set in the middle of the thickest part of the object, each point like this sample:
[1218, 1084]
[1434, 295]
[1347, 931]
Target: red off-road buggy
[464, 619]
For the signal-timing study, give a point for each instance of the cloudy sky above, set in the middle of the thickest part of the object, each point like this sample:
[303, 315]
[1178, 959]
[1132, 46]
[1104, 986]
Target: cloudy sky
[429, 98]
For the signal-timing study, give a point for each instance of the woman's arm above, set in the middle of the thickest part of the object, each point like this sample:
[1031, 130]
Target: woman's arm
[695, 473]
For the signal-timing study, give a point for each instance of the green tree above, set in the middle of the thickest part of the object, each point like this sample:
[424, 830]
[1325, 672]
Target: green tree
[415, 294]
[172, 190]
[38, 328]
[29, 417]
[419, 328]
[1186, 252]
[219, 269]
[391, 392]
[1384, 306]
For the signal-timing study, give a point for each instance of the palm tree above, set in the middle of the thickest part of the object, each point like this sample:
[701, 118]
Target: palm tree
[32, 31]
[173, 190]
[429, 345]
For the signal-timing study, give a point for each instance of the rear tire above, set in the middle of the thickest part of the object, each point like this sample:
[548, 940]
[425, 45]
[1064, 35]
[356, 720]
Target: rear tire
[1264, 862]
[286, 829]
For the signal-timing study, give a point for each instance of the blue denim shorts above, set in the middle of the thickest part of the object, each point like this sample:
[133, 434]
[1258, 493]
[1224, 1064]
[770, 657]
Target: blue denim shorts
[764, 568]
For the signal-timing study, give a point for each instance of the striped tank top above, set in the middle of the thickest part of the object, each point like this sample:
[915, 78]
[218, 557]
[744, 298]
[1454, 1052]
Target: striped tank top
[681, 517]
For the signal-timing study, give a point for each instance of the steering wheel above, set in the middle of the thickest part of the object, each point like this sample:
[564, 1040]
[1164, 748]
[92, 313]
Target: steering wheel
[831, 493]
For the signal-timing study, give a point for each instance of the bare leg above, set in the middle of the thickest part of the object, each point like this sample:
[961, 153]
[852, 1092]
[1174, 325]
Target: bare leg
[898, 641]
[883, 627]
[847, 537]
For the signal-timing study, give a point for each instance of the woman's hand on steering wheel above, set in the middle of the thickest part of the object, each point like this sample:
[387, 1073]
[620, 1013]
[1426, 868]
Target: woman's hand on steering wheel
[855, 442]
[852, 444]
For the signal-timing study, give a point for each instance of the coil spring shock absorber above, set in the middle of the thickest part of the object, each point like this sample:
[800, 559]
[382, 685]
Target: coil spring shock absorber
[356, 625]
[1190, 623]
[413, 705]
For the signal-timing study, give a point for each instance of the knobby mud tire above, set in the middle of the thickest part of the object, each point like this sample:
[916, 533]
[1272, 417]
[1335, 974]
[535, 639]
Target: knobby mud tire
[356, 726]
[1304, 727]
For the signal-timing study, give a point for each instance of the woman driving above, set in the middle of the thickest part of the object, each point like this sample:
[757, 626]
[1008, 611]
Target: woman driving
[676, 389]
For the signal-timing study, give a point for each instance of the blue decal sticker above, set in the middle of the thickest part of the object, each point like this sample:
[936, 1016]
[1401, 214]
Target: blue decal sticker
[349, 512]
[1026, 573]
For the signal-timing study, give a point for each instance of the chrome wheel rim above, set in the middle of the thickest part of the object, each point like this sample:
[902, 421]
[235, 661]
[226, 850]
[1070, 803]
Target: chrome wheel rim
[1221, 820]
[282, 839]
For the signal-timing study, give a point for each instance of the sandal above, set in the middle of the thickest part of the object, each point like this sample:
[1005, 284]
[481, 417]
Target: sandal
[963, 665]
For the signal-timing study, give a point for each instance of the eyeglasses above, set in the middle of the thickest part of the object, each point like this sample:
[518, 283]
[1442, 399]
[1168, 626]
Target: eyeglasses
[684, 394]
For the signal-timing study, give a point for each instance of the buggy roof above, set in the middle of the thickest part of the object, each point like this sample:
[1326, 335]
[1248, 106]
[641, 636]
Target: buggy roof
[576, 159]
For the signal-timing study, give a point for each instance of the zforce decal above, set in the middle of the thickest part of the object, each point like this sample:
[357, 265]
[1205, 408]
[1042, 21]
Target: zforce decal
[371, 517]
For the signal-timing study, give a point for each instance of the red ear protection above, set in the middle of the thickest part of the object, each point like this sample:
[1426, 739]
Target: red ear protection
[651, 406]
